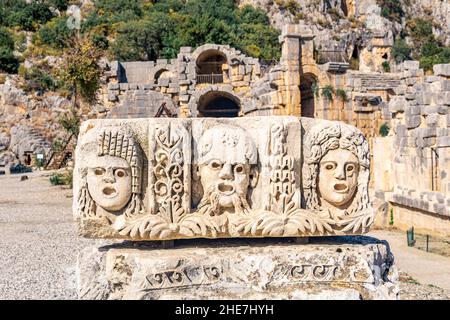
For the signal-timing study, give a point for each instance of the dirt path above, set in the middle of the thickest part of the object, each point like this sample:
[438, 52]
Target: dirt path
[425, 267]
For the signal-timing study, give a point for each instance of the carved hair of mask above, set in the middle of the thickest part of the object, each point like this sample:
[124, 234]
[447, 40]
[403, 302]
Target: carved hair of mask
[113, 179]
[336, 168]
[226, 168]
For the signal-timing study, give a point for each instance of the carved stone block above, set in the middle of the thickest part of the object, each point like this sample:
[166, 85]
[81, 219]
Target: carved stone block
[238, 271]
[162, 179]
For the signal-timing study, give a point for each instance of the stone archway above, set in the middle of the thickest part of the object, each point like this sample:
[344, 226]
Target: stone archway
[218, 104]
[209, 66]
[161, 72]
[308, 82]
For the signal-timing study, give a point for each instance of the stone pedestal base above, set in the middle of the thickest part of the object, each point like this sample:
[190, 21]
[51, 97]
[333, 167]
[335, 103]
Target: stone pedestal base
[239, 270]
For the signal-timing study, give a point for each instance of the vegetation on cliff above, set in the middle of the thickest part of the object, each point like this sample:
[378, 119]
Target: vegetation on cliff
[145, 30]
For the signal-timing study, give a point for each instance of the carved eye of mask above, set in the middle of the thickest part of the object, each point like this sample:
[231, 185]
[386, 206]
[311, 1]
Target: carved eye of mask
[239, 168]
[215, 164]
[99, 171]
[120, 173]
[329, 165]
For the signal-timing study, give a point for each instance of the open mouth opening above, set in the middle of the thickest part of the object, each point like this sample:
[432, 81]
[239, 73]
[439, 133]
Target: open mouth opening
[109, 192]
[340, 187]
[225, 188]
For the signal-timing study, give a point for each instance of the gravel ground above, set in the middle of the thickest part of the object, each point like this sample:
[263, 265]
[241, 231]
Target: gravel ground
[39, 244]
[410, 289]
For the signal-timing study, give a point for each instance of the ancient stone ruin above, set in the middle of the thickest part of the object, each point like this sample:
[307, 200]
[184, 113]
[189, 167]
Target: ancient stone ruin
[166, 179]
[410, 107]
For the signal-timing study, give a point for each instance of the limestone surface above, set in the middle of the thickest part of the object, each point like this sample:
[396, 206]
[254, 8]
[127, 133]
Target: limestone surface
[161, 179]
[238, 270]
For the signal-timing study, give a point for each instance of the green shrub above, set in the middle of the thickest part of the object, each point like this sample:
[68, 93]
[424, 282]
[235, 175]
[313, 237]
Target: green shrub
[70, 122]
[427, 62]
[54, 34]
[38, 79]
[57, 179]
[315, 89]
[341, 94]
[328, 92]
[386, 66]
[292, 6]
[324, 23]
[139, 40]
[420, 29]
[334, 13]
[120, 10]
[20, 42]
[26, 16]
[391, 9]
[401, 51]
[384, 129]
[65, 178]
[61, 5]
[58, 145]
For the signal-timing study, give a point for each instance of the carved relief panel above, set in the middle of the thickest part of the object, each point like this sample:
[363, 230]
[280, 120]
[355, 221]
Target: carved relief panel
[160, 179]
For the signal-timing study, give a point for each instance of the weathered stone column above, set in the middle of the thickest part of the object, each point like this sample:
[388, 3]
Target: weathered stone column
[290, 60]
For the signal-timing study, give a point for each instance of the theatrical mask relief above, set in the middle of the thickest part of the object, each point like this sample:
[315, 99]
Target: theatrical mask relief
[162, 179]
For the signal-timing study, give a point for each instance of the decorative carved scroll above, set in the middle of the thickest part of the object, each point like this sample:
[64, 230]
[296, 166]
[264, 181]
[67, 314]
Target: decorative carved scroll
[182, 277]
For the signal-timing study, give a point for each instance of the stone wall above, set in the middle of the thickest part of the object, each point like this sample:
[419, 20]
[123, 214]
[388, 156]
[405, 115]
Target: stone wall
[412, 163]
[413, 105]
[141, 86]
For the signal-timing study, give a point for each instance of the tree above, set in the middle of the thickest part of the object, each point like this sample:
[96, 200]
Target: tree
[8, 62]
[165, 26]
[80, 69]
[61, 5]
[27, 16]
[54, 33]
[138, 40]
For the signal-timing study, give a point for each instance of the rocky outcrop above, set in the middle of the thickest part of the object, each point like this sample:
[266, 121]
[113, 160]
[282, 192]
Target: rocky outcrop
[29, 122]
[350, 24]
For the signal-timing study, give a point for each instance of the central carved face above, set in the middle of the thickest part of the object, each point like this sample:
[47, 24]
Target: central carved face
[225, 168]
[227, 178]
[338, 176]
[109, 182]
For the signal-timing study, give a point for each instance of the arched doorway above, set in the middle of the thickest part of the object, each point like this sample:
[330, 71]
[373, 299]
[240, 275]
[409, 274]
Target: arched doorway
[163, 74]
[209, 66]
[218, 105]
[308, 85]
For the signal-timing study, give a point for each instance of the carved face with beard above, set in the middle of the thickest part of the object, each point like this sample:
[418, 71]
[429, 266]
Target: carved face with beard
[227, 161]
